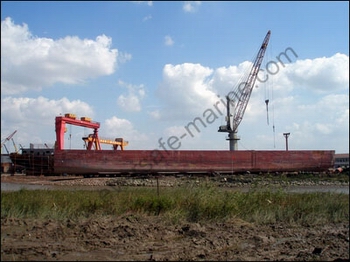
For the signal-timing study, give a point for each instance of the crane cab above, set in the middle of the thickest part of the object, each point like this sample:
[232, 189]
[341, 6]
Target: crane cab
[223, 129]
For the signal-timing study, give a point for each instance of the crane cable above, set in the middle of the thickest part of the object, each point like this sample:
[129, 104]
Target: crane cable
[271, 82]
[273, 119]
[234, 100]
[269, 90]
[246, 68]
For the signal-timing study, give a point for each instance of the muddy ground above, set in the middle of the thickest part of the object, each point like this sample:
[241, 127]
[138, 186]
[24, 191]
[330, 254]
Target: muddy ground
[142, 238]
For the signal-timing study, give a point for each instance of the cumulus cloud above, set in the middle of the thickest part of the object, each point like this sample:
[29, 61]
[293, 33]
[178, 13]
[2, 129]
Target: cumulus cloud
[197, 88]
[132, 101]
[115, 127]
[34, 117]
[146, 18]
[29, 62]
[186, 85]
[191, 6]
[168, 40]
[226, 79]
[149, 3]
[41, 109]
[305, 83]
[155, 114]
[321, 74]
[118, 126]
[332, 108]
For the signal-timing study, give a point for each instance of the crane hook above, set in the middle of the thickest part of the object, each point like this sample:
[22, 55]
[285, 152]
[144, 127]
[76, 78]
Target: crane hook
[267, 109]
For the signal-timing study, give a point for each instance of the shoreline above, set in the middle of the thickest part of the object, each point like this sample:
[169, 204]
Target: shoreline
[233, 182]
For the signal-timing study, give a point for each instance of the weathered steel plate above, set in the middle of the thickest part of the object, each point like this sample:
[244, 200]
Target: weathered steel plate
[190, 161]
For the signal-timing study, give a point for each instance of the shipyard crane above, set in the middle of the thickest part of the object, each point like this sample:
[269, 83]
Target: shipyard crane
[92, 141]
[239, 98]
[7, 139]
[118, 142]
[61, 122]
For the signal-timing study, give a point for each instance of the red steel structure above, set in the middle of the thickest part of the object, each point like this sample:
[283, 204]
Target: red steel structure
[190, 161]
[61, 122]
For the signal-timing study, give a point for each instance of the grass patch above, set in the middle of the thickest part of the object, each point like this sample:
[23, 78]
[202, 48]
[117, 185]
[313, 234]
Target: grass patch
[191, 203]
[304, 177]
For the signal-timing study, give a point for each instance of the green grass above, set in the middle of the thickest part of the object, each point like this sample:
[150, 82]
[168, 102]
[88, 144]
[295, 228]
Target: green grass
[304, 177]
[191, 203]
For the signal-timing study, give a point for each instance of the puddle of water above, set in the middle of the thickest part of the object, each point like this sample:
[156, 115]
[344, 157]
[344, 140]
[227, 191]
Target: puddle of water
[17, 187]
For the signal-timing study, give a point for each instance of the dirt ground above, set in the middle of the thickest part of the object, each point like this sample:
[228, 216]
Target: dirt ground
[142, 238]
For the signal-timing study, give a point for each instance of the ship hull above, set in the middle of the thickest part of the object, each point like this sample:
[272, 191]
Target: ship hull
[189, 161]
[33, 164]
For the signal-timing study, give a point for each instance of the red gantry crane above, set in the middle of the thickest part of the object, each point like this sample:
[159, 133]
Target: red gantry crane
[93, 140]
[239, 98]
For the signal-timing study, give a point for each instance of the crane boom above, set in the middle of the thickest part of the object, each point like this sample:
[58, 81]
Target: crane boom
[249, 84]
[239, 98]
[7, 139]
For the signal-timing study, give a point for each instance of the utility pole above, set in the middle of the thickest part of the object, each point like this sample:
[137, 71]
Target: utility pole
[286, 135]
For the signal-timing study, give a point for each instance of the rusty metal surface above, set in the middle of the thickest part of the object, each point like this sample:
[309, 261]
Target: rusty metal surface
[190, 161]
[33, 164]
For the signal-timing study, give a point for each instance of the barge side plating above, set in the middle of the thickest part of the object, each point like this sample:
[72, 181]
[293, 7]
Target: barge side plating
[190, 161]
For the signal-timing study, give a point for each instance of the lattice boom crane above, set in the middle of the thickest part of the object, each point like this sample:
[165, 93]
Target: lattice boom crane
[7, 139]
[239, 97]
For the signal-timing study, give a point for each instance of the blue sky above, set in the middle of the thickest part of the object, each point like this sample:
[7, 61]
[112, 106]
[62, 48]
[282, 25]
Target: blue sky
[145, 70]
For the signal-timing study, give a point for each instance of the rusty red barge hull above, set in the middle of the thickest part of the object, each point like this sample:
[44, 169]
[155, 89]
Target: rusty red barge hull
[189, 161]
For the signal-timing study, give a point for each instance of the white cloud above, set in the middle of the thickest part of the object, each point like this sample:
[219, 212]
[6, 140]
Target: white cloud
[168, 40]
[155, 114]
[191, 6]
[149, 3]
[132, 101]
[324, 128]
[146, 18]
[226, 79]
[129, 103]
[34, 118]
[326, 74]
[174, 131]
[186, 90]
[41, 109]
[118, 126]
[32, 63]
[115, 127]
